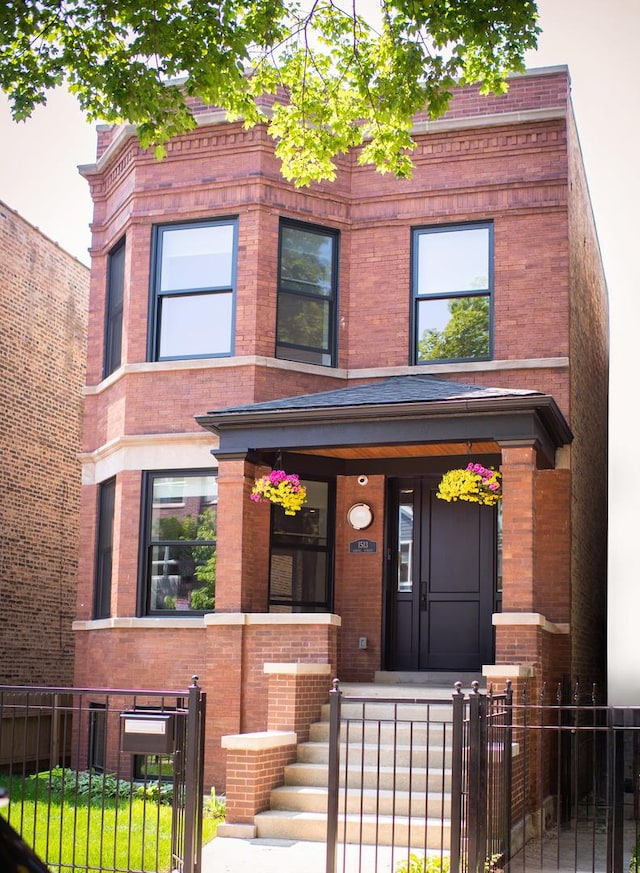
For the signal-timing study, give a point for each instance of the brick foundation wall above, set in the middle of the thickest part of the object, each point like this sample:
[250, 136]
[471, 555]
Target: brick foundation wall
[44, 302]
[228, 654]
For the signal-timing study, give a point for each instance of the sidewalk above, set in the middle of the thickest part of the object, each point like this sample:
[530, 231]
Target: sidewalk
[231, 855]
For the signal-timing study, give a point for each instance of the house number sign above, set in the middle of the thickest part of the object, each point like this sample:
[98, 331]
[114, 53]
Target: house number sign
[363, 547]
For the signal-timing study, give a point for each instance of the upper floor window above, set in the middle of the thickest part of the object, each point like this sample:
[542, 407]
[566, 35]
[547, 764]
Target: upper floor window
[113, 316]
[452, 279]
[179, 542]
[193, 290]
[307, 291]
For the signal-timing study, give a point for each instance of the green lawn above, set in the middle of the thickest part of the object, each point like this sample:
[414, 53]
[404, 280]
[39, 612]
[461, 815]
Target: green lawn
[109, 832]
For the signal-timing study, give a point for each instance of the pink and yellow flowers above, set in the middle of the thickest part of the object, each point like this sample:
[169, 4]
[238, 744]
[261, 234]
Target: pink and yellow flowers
[475, 483]
[280, 488]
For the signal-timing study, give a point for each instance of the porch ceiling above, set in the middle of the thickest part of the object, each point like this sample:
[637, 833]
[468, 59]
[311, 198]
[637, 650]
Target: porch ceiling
[424, 450]
[405, 416]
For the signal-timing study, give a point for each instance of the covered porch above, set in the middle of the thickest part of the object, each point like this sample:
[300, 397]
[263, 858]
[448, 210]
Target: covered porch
[412, 583]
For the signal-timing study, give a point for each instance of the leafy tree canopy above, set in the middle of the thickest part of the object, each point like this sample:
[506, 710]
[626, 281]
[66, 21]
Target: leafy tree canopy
[347, 82]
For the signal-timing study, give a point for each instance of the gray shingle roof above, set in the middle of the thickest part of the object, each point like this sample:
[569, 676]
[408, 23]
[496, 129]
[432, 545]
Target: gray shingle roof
[397, 389]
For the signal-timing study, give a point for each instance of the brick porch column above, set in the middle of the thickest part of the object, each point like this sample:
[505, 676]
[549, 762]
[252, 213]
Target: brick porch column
[242, 539]
[530, 646]
[518, 469]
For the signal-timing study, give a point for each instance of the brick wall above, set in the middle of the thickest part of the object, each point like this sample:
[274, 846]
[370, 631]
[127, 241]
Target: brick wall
[44, 302]
[359, 597]
[589, 400]
[227, 655]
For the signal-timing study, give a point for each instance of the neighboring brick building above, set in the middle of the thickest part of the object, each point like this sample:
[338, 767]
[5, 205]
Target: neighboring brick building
[460, 314]
[44, 299]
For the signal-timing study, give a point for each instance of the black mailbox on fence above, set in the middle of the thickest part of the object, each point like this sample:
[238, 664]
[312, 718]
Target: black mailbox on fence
[148, 733]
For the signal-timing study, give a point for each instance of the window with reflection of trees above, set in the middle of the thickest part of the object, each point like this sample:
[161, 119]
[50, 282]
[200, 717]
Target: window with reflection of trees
[302, 554]
[452, 288]
[307, 291]
[180, 542]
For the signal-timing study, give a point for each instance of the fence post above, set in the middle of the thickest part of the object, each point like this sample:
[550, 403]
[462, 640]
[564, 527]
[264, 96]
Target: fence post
[335, 696]
[615, 830]
[457, 786]
[193, 775]
[477, 798]
[508, 768]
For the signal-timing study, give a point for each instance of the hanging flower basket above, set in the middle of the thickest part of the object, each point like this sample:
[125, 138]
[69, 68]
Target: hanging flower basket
[281, 488]
[475, 484]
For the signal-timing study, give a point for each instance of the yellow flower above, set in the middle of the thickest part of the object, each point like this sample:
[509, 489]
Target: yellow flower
[475, 484]
[280, 488]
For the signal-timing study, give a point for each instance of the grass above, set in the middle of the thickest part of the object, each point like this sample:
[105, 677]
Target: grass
[74, 832]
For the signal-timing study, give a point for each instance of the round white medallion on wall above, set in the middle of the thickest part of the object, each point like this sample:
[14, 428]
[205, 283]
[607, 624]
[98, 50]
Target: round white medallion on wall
[360, 516]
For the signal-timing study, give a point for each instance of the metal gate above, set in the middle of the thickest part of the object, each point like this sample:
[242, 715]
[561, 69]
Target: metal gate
[483, 782]
[107, 780]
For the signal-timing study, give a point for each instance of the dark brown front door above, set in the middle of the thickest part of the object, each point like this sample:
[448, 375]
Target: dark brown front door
[442, 580]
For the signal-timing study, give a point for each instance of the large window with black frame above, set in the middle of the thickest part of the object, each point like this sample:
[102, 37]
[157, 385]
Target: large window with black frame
[301, 565]
[307, 294]
[452, 279]
[114, 309]
[178, 561]
[104, 549]
[193, 289]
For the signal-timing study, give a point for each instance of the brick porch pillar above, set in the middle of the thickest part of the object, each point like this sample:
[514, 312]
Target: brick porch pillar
[529, 646]
[518, 527]
[242, 540]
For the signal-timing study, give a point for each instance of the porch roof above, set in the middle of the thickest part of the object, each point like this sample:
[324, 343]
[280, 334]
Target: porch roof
[402, 410]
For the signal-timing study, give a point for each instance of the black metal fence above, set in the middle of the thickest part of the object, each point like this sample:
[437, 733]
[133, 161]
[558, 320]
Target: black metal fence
[105, 780]
[576, 784]
[472, 784]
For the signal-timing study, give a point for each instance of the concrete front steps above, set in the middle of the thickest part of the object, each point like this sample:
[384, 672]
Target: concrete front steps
[398, 783]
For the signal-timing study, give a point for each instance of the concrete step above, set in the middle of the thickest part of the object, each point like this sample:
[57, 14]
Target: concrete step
[444, 682]
[368, 829]
[374, 755]
[305, 798]
[398, 779]
[402, 778]
[385, 732]
[393, 711]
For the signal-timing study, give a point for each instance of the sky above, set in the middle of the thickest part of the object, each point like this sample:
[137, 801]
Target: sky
[596, 40]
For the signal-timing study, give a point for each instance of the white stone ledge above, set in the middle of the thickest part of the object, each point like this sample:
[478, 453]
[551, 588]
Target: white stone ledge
[321, 618]
[195, 623]
[507, 671]
[316, 370]
[298, 669]
[212, 619]
[258, 741]
[530, 619]
[215, 619]
[271, 618]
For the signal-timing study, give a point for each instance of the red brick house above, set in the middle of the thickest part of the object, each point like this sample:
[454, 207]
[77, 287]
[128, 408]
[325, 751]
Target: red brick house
[44, 299]
[369, 335]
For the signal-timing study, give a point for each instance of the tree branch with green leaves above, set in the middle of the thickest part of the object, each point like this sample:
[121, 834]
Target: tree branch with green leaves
[341, 76]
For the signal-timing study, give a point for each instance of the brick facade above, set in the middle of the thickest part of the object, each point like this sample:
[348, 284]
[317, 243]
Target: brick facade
[43, 330]
[512, 161]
